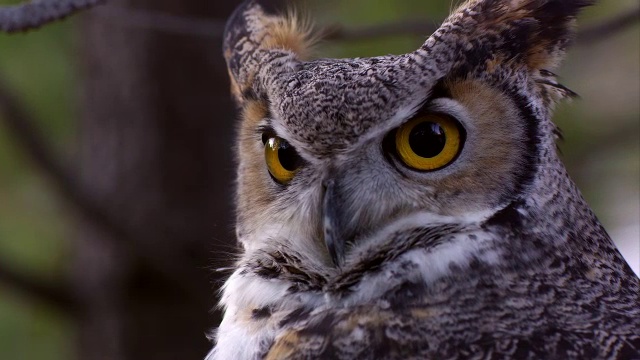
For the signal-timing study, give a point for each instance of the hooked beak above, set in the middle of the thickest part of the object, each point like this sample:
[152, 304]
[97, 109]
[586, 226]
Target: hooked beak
[332, 226]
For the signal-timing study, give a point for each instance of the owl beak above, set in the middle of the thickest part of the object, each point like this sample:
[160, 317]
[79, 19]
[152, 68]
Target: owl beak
[333, 236]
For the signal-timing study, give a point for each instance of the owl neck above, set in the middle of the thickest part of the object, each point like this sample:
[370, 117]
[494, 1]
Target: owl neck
[551, 220]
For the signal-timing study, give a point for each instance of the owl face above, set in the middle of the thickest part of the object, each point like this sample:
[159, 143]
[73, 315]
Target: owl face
[333, 151]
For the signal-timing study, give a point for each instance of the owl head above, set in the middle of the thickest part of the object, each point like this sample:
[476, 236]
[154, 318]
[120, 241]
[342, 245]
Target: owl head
[332, 152]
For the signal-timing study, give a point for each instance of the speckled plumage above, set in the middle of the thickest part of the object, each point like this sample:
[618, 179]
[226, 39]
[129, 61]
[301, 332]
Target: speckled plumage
[495, 256]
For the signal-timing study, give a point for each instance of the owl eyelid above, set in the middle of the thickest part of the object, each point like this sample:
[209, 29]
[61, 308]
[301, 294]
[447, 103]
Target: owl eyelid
[266, 132]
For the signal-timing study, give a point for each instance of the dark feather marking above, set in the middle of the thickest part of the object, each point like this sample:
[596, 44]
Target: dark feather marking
[418, 238]
[261, 313]
[507, 217]
[295, 316]
[565, 90]
[287, 266]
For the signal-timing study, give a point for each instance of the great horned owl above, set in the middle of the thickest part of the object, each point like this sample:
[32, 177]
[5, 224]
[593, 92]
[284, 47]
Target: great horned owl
[414, 206]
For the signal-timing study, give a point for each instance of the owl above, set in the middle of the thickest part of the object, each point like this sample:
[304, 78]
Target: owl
[414, 206]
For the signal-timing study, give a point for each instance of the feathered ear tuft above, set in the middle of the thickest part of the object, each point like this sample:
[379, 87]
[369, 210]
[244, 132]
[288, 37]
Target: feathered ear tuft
[555, 20]
[535, 33]
[252, 38]
[293, 32]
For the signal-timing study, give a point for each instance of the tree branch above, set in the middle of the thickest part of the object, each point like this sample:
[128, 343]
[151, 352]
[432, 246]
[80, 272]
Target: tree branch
[161, 21]
[419, 27]
[424, 27]
[170, 264]
[40, 12]
[609, 27]
[34, 14]
[58, 295]
[40, 152]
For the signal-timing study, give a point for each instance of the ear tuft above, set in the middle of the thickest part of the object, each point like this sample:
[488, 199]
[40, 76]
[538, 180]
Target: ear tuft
[253, 38]
[534, 33]
[294, 33]
[554, 32]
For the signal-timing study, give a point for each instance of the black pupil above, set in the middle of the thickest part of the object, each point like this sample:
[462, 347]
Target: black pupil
[427, 139]
[289, 158]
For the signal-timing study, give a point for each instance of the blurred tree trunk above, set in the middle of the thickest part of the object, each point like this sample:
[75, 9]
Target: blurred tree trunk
[156, 140]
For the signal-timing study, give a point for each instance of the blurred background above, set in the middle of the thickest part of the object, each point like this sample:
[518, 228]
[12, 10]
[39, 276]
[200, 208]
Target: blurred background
[116, 170]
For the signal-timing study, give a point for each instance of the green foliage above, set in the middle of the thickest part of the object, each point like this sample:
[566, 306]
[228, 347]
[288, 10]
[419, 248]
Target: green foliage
[38, 66]
[350, 14]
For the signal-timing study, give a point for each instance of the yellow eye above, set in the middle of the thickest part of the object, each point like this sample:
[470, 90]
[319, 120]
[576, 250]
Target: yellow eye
[429, 142]
[282, 159]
